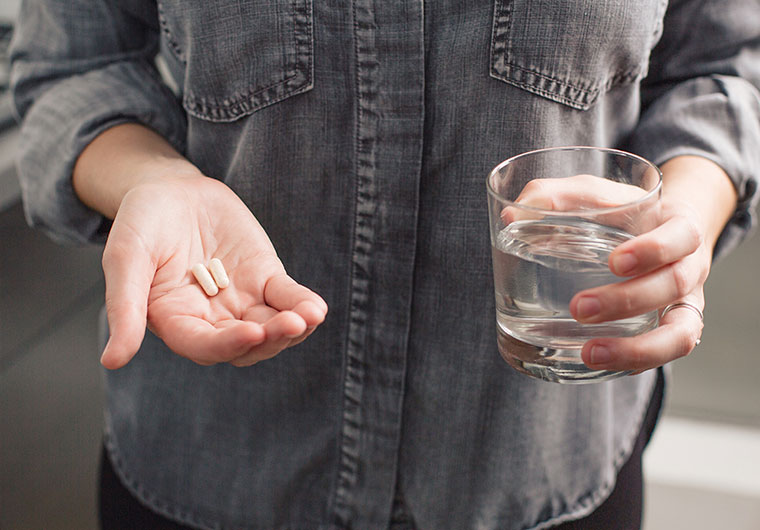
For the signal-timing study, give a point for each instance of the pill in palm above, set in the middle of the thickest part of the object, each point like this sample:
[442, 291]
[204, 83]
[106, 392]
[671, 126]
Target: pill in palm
[204, 278]
[217, 271]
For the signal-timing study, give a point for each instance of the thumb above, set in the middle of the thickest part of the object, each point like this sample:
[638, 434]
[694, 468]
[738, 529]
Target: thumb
[128, 275]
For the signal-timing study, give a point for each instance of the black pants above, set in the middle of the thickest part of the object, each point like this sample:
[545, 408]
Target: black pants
[119, 510]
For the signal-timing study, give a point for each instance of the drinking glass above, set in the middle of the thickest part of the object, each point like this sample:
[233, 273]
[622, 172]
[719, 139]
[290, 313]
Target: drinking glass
[555, 216]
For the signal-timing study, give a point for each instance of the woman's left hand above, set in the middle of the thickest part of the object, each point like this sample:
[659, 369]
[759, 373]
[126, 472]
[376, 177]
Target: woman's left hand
[665, 266]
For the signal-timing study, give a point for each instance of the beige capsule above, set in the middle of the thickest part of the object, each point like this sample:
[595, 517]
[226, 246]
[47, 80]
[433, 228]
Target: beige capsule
[204, 278]
[217, 271]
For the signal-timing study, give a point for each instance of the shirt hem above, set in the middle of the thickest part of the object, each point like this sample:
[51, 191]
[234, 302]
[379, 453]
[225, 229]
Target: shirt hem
[586, 505]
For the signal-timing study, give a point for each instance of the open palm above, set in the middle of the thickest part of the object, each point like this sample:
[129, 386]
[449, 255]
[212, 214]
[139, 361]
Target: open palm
[161, 230]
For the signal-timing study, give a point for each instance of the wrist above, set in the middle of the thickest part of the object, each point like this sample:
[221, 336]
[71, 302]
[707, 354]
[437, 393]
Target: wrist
[154, 169]
[703, 186]
[122, 158]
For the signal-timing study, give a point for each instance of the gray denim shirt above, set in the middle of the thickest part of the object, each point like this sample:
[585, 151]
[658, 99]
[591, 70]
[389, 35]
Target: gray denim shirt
[360, 134]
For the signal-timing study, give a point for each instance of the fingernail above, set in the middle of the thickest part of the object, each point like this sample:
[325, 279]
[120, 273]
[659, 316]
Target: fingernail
[600, 355]
[588, 307]
[624, 263]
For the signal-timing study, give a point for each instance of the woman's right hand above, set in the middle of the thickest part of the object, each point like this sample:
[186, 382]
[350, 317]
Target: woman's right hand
[167, 216]
[163, 227]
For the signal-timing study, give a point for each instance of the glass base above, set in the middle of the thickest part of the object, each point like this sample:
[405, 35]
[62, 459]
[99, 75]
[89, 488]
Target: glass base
[550, 364]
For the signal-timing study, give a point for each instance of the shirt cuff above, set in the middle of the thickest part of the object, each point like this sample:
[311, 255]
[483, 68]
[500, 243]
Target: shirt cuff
[65, 119]
[718, 118]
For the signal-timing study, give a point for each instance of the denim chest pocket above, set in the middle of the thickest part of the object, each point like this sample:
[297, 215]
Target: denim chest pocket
[238, 56]
[573, 51]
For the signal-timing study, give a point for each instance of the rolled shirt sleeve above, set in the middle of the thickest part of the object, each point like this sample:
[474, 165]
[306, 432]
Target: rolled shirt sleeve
[701, 98]
[78, 68]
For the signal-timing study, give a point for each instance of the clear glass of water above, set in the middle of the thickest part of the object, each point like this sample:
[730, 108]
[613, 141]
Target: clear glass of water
[555, 216]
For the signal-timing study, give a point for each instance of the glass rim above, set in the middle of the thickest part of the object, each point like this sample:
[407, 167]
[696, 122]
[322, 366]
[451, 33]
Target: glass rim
[585, 211]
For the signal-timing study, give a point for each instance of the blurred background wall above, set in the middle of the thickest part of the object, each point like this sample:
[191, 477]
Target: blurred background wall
[702, 468]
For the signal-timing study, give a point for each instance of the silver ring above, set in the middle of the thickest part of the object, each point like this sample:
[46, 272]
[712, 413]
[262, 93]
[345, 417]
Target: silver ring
[686, 305]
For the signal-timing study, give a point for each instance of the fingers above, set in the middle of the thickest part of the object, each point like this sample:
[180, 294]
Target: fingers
[571, 193]
[677, 335]
[285, 324]
[640, 294]
[286, 316]
[239, 342]
[261, 332]
[283, 293]
[579, 191]
[128, 275]
[284, 329]
[207, 343]
[676, 238]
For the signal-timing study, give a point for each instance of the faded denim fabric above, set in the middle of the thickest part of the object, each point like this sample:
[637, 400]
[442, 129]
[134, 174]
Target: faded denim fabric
[360, 134]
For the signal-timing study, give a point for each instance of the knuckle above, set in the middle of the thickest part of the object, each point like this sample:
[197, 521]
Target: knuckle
[120, 307]
[624, 300]
[681, 278]
[692, 232]
[638, 356]
[112, 253]
[659, 249]
[705, 260]
[116, 252]
[538, 193]
[586, 179]
[113, 304]
[534, 186]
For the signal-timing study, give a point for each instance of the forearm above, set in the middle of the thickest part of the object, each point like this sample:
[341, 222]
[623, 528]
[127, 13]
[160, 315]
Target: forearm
[120, 158]
[703, 185]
